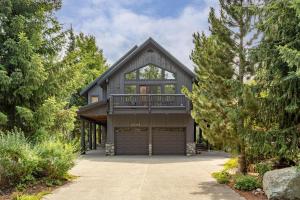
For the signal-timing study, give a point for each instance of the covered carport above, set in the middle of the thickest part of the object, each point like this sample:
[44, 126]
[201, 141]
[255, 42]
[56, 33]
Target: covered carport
[91, 116]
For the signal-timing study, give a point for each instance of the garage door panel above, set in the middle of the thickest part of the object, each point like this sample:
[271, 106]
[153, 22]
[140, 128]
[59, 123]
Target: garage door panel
[168, 141]
[131, 141]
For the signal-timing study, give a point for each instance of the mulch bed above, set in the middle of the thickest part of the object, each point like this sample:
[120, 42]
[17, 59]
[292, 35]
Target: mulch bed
[30, 190]
[249, 195]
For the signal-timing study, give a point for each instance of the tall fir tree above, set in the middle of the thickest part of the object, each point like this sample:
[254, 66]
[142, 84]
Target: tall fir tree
[277, 131]
[35, 84]
[222, 66]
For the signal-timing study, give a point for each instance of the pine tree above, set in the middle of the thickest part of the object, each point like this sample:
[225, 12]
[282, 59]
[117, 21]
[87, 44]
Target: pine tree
[222, 66]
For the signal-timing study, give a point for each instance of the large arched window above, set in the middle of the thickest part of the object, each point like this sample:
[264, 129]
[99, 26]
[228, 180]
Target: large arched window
[150, 72]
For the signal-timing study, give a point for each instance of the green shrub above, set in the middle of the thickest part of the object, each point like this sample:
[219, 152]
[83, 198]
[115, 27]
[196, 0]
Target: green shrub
[18, 161]
[262, 168]
[56, 158]
[231, 164]
[38, 196]
[222, 177]
[246, 183]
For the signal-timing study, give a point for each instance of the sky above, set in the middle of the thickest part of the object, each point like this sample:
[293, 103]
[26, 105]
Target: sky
[118, 25]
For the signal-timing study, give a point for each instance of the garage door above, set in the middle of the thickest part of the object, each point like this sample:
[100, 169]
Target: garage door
[168, 141]
[131, 141]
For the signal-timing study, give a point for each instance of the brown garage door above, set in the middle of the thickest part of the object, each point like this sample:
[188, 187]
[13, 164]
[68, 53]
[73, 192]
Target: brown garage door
[131, 141]
[168, 141]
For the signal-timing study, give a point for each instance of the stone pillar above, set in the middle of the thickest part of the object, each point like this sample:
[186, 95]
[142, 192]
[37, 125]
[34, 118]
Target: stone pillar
[110, 149]
[83, 148]
[190, 148]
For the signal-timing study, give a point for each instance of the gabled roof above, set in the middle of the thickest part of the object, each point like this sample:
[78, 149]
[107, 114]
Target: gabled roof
[130, 54]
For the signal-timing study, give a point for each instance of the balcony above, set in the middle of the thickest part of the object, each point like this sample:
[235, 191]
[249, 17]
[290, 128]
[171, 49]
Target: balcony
[148, 103]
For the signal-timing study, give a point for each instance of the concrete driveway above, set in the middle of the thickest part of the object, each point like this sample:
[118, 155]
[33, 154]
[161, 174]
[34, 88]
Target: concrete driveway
[146, 178]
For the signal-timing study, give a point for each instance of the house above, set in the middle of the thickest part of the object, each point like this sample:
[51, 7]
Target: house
[138, 105]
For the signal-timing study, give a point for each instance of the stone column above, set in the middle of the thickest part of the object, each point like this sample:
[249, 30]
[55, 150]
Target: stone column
[110, 145]
[190, 140]
[190, 148]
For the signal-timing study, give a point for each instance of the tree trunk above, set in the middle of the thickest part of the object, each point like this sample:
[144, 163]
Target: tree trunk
[242, 168]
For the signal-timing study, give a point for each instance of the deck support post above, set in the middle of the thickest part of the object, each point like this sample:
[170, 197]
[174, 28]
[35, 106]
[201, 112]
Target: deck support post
[90, 136]
[95, 136]
[83, 148]
[99, 134]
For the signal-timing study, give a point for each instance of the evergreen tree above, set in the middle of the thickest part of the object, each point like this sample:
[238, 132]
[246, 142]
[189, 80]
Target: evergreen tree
[222, 66]
[278, 82]
[86, 56]
[35, 84]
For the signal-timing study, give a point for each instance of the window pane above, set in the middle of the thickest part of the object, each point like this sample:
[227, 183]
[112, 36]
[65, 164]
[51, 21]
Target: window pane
[150, 72]
[130, 75]
[155, 89]
[169, 75]
[130, 89]
[170, 89]
[94, 99]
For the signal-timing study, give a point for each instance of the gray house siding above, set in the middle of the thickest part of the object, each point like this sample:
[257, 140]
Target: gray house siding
[151, 121]
[97, 92]
[167, 119]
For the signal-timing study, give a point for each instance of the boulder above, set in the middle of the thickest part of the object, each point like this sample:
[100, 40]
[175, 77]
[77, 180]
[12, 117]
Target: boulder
[282, 184]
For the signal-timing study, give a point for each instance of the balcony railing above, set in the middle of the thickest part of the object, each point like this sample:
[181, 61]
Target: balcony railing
[148, 102]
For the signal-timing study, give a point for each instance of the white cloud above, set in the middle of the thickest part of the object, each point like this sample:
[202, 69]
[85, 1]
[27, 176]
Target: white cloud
[117, 28]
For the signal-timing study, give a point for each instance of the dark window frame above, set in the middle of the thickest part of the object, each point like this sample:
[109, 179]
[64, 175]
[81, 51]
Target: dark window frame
[137, 78]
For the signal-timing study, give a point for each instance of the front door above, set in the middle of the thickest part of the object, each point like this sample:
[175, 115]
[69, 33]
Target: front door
[150, 89]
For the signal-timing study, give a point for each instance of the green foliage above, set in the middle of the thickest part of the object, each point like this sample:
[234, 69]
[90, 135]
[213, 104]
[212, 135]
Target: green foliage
[231, 164]
[18, 161]
[262, 168]
[21, 163]
[56, 158]
[246, 183]
[36, 82]
[222, 177]
[88, 58]
[38, 196]
[3, 118]
[277, 84]
[222, 101]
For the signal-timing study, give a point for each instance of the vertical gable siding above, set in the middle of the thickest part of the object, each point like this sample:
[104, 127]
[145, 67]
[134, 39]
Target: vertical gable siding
[116, 82]
[95, 91]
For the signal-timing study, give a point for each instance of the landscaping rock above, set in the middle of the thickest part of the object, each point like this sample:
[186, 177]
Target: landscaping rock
[282, 184]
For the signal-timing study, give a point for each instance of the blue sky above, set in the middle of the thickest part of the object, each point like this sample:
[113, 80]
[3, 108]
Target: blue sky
[120, 24]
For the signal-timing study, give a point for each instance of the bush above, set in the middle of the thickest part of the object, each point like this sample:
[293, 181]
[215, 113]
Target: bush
[56, 158]
[231, 164]
[222, 177]
[38, 196]
[18, 161]
[246, 183]
[262, 168]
